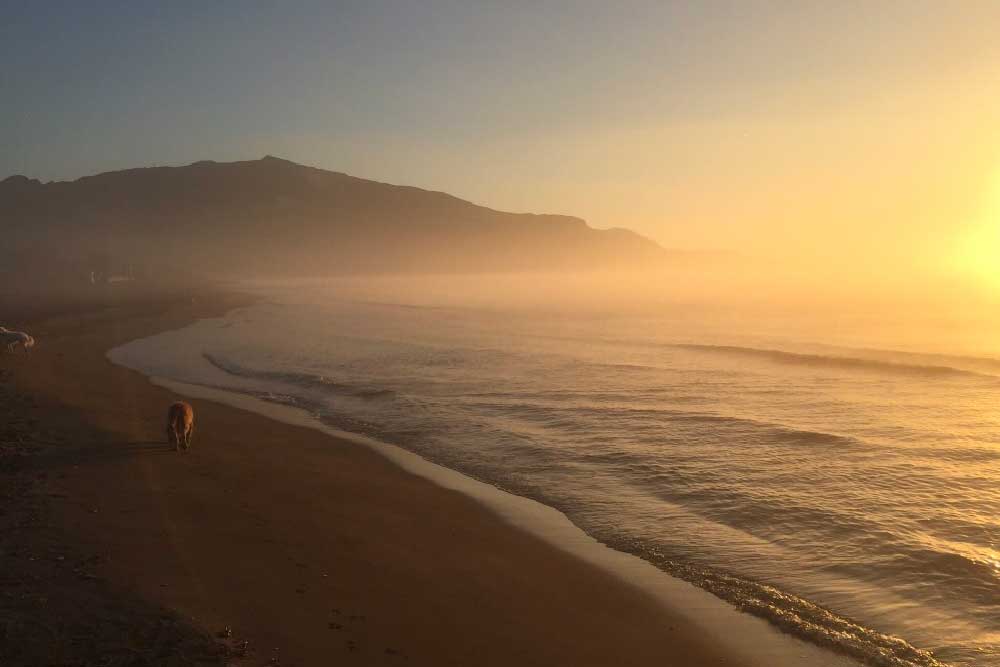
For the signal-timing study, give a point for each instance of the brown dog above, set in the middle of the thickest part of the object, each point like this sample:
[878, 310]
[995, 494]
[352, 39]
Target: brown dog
[180, 425]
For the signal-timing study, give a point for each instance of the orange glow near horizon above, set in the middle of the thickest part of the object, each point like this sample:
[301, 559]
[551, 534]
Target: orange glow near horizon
[844, 152]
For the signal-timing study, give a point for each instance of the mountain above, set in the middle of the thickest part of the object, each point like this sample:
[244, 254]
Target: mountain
[274, 217]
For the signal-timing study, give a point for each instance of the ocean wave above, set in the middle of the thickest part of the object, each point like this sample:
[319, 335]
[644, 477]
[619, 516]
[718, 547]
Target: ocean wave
[839, 362]
[722, 424]
[794, 615]
[304, 380]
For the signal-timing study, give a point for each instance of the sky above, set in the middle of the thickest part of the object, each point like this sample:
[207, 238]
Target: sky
[862, 137]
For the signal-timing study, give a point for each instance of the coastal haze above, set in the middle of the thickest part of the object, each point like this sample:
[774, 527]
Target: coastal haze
[271, 217]
[720, 283]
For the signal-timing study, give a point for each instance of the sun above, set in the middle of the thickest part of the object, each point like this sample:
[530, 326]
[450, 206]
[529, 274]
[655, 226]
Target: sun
[977, 252]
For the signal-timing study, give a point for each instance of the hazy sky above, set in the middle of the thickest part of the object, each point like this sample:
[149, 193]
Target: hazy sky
[869, 130]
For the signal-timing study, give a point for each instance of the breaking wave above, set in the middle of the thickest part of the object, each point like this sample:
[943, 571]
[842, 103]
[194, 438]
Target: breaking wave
[838, 362]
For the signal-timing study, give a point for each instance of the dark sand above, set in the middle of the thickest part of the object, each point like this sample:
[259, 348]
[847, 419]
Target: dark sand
[315, 551]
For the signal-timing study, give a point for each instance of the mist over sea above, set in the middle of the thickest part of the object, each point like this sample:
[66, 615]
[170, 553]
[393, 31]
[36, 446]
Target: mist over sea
[842, 484]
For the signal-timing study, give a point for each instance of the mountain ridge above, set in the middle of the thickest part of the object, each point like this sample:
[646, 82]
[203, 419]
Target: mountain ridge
[274, 216]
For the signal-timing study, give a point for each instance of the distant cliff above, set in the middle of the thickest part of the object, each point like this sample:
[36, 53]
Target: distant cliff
[274, 217]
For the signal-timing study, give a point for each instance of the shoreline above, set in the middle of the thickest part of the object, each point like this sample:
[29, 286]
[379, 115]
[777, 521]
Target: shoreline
[281, 549]
[749, 637]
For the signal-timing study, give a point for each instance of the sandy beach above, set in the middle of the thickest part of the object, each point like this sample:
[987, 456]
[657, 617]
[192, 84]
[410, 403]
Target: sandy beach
[311, 550]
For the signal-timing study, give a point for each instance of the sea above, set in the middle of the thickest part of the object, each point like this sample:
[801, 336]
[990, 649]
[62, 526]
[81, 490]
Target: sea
[837, 477]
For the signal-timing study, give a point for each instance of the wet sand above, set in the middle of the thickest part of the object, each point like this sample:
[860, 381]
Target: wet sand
[312, 549]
